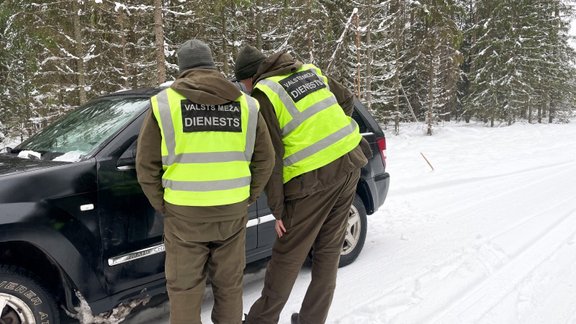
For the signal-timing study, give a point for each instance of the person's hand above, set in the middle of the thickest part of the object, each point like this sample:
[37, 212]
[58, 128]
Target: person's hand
[280, 229]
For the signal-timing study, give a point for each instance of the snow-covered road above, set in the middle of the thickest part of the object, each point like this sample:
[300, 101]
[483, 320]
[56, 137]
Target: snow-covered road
[488, 236]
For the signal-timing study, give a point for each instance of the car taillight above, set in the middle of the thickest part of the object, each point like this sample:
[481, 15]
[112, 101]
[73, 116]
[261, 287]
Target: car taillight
[382, 147]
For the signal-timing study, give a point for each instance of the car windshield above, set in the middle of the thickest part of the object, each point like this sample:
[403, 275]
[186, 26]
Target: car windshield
[83, 130]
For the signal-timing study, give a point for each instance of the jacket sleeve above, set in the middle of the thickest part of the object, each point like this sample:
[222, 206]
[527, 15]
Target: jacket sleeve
[262, 160]
[149, 162]
[275, 186]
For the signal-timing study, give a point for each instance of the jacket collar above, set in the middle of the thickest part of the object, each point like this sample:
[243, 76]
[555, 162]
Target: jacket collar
[277, 64]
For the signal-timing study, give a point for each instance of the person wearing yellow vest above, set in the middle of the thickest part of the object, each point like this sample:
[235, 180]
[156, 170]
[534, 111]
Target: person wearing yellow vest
[318, 160]
[204, 154]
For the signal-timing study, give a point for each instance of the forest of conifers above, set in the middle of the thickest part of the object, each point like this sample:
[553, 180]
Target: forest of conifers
[496, 61]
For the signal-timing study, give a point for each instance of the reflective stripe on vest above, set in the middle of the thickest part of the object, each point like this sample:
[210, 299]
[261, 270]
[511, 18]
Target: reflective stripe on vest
[336, 134]
[212, 178]
[207, 185]
[322, 144]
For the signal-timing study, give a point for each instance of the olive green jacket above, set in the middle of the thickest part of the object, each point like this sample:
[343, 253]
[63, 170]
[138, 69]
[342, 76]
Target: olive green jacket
[206, 86]
[278, 192]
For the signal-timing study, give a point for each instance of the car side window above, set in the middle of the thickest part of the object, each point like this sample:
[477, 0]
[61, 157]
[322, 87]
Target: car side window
[360, 122]
[128, 159]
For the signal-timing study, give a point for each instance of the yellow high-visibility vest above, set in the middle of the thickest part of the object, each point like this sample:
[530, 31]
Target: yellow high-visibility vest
[206, 149]
[315, 129]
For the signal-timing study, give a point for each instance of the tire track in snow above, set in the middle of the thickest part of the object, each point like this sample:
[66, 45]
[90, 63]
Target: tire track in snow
[468, 269]
[465, 204]
[496, 187]
[466, 181]
[460, 272]
[469, 307]
[545, 296]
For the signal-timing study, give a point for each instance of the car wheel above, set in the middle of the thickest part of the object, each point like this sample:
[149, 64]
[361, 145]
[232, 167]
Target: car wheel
[355, 233]
[23, 300]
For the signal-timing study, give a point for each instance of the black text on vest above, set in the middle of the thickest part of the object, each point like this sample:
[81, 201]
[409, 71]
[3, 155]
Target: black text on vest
[300, 84]
[211, 118]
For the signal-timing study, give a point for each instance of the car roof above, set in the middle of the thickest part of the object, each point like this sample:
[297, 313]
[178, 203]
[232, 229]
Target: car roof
[139, 92]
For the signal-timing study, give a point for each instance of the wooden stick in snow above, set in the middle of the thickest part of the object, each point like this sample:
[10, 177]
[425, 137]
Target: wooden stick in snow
[431, 167]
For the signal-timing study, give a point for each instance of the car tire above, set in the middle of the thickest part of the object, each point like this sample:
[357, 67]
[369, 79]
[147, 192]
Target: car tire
[23, 300]
[355, 233]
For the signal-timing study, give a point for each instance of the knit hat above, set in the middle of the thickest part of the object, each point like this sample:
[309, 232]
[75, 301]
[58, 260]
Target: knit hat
[247, 62]
[194, 54]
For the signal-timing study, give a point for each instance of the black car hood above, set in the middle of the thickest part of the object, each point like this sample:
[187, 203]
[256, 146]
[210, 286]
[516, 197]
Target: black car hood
[11, 164]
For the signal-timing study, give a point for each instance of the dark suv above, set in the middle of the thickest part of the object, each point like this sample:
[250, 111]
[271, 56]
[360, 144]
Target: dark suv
[75, 227]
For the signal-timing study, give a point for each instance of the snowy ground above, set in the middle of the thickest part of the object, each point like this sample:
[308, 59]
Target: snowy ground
[488, 236]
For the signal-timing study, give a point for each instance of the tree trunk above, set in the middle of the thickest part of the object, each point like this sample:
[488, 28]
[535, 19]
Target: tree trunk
[397, 31]
[159, 33]
[309, 30]
[123, 43]
[79, 52]
[132, 54]
[369, 57]
[224, 57]
[258, 23]
[431, 85]
[397, 114]
[357, 80]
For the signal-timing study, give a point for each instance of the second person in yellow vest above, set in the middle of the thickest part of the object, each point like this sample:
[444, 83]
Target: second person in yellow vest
[318, 162]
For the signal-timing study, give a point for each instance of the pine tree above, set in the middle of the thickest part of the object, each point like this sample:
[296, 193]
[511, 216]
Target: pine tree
[434, 59]
[496, 60]
[21, 101]
[555, 67]
[389, 60]
[521, 60]
[466, 22]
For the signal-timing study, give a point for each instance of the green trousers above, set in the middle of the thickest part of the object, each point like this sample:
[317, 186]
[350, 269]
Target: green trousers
[317, 221]
[189, 263]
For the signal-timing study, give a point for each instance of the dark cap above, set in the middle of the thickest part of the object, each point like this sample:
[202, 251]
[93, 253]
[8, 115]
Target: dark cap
[194, 54]
[247, 62]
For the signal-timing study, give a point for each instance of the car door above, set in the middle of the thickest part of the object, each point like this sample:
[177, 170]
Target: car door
[252, 228]
[266, 222]
[131, 230]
